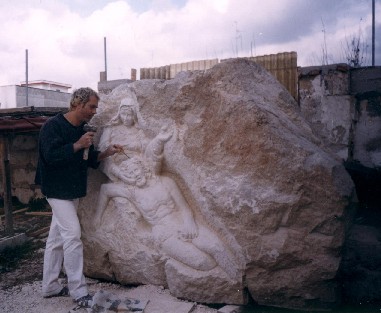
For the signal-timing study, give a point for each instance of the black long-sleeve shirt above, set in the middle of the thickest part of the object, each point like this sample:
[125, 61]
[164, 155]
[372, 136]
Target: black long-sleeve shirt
[61, 172]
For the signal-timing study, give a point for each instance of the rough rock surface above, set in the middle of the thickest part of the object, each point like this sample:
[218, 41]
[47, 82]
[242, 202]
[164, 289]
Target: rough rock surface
[252, 171]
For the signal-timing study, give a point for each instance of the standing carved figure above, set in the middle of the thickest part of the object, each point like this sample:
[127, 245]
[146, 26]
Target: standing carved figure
[124, 128]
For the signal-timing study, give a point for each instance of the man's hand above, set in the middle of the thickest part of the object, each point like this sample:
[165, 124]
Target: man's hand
[84, 142]
[111, 150]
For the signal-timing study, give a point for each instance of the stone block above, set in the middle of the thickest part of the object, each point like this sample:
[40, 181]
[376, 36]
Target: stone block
[239, 195]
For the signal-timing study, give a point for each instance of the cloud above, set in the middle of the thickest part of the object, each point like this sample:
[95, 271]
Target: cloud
[65, 38]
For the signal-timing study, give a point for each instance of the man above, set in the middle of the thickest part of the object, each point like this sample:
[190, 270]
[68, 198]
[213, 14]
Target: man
[62, 174]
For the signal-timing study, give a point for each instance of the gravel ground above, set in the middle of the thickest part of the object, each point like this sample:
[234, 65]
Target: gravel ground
[20, 292]
[21, 274]
[27, 298]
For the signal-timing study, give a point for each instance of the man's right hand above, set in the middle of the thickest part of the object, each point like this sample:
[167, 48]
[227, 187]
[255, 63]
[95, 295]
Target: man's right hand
[84, 142]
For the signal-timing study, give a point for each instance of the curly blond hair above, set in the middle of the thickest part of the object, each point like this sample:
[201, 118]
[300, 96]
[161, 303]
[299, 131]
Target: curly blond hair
[82, 96]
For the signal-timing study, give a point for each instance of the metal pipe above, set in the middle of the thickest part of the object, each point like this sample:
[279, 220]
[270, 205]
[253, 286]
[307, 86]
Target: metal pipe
[373, 30]
[26, 75]
[105, 52]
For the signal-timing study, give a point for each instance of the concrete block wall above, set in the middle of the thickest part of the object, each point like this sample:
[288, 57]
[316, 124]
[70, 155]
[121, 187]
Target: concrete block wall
[325, 102]
[344, 111]
[23, 157]
[366, 86]
[367, 136]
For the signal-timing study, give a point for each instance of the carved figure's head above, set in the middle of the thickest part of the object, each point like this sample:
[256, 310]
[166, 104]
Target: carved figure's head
[135, 171]
[127, 112]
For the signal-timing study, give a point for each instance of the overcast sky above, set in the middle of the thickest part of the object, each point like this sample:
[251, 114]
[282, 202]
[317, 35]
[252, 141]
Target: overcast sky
[65, 38]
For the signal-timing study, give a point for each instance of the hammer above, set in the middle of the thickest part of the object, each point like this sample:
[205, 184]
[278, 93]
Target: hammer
[88, 128]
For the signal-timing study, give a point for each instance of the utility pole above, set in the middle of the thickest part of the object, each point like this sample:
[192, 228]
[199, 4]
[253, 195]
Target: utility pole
[238, 36]
[26, 75]
[373, 30]
[105, 53]
[253, 45]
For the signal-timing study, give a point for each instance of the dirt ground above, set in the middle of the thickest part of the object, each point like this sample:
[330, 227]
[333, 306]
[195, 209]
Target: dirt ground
[21, 275]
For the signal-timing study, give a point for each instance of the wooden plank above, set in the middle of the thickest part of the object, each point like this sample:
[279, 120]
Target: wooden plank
[47, 213]
[15, 212]
[39, 232]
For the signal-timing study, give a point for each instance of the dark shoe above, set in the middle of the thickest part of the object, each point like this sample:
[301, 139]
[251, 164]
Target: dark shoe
[85, 301]
[63, 293]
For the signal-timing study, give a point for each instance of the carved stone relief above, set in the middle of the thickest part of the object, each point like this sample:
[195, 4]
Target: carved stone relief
[163, 220]
[222, 191]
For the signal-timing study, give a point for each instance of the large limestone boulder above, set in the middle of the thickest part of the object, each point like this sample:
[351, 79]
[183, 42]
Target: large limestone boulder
[271, 207]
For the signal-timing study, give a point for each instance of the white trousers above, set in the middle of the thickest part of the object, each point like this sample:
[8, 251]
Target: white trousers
[64, 246]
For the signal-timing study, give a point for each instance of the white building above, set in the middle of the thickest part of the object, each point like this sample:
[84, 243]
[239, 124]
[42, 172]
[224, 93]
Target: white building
[47, 85]
[41, 93]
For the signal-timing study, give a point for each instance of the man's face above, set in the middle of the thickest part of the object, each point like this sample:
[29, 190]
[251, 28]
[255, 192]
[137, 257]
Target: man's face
[87, 111]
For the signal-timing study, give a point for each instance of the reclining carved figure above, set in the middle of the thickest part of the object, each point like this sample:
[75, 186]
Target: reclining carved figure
[160, 202]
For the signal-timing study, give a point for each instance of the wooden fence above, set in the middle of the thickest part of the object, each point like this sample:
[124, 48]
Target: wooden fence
[170, 71]
[282, 65]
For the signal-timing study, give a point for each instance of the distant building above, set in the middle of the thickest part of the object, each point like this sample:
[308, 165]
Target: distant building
[106, 86]
[47, 85]
[41, 93]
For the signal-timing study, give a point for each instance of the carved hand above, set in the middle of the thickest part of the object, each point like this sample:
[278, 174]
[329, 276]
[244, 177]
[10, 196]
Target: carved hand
[165, 134]
[190, 230]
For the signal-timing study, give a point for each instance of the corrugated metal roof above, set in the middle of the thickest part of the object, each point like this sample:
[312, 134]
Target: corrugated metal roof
[26, 119]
